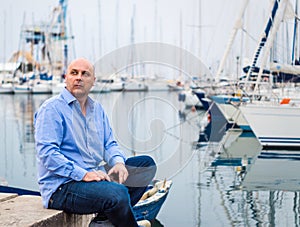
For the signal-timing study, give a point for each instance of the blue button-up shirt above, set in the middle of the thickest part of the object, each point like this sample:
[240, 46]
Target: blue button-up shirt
[70, 144]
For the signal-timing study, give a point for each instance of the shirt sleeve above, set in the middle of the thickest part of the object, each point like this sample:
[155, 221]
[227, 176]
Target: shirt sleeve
[113, 153]
[48, 137]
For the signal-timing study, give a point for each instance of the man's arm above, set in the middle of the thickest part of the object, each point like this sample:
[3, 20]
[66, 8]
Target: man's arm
[113, 154]
[48, 137]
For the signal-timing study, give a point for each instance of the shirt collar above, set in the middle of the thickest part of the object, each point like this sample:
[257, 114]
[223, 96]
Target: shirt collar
[66, 95]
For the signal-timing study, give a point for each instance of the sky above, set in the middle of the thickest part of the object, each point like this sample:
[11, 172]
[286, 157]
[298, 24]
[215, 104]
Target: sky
[202, 27]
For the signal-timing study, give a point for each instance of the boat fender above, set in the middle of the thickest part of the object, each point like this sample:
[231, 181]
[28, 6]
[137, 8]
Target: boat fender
[285, 101]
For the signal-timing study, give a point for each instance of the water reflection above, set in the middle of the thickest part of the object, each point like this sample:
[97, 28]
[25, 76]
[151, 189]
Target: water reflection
[207, 188]
[17, 159]
[274, 170]
[266, 194]
[149, 123]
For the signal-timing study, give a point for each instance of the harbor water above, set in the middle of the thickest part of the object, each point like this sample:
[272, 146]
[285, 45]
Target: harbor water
[206, 191]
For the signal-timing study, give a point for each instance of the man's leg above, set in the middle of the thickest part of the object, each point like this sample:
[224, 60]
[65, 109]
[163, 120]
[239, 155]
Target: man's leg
[141, 171]
[109, 198]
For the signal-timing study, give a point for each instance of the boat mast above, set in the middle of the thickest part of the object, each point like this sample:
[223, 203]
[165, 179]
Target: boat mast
[56, 40]
[295, 37]
[266, 40]
[238, 25]
[132, 41]
[117, 24]
[100, 29]
[263, 39]
[62, 20]
[181, 46]
[269, 42]
[4, 39]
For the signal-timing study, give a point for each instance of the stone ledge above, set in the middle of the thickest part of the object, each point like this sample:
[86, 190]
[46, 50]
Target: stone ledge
[28, 211]
[7, 196]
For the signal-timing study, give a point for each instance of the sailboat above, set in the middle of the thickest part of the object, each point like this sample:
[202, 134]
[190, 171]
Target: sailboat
[43, 53]
[268, 98]
[273, 117]
[6, 77]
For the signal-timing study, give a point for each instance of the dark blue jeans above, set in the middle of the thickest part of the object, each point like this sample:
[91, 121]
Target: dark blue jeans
[111, 199]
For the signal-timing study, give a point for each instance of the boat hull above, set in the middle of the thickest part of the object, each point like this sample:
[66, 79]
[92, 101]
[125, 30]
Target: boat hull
[149, 208]
[274, 126]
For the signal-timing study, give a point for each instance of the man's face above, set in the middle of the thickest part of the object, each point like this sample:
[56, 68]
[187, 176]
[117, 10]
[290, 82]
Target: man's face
[80, 78]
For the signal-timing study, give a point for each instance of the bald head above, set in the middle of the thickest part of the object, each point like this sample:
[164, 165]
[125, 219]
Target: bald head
[80, 78]
[82, 61]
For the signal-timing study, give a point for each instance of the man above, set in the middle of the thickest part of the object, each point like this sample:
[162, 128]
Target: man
[73, 138]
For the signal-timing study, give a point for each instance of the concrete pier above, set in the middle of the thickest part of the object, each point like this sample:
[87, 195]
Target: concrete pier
[28, 211]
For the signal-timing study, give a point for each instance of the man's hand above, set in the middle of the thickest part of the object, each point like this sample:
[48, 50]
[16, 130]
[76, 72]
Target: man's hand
[96, 176]
[118, 173]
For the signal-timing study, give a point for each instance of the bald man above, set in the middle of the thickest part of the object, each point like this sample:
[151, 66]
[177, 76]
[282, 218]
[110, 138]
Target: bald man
[73, 138]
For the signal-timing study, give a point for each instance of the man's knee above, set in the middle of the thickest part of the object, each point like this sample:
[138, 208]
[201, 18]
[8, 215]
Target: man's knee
[151, 165]
[149, 160]
[121, 196]
[140, 161]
